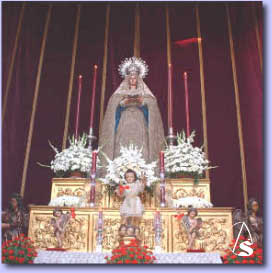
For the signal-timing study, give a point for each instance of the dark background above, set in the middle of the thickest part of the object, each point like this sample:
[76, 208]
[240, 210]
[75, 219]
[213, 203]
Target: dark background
[223, 142]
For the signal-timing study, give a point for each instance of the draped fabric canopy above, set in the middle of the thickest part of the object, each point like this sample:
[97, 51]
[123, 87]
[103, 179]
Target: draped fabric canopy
[222, 128]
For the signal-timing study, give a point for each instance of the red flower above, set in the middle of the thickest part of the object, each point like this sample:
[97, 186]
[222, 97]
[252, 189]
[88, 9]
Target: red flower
[21, 252]
[134, 261]
[127, 261]
[131, 255]
[251, 262]
[131, 249]
[3, 259]
[179, 216]
[122, 188]
[226, 262]
[237, 262]
[244, 261]
[120, 262]
[139, 257]
[242, 238]
[11, 258]
[154, 258]
[260, 257]
[30, 262]
[21, 260]
[11, 252]
[233, 257]
[145, 246]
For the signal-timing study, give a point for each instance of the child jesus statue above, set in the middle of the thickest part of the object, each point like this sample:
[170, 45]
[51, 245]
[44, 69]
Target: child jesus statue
[132, 208]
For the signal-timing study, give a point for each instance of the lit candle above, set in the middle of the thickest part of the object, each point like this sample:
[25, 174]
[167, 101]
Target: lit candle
[162, 161]
[185, 76]
[93, 97]
[78, 104]
[170, 97]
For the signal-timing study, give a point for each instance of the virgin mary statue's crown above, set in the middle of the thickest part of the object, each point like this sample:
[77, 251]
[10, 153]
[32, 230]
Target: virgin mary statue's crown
[133, 65]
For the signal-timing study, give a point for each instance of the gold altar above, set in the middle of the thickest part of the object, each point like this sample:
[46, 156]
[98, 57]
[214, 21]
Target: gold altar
[81, 232]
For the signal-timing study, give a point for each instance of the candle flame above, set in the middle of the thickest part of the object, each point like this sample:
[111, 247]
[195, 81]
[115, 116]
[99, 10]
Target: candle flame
[80, 76]
[95, 66]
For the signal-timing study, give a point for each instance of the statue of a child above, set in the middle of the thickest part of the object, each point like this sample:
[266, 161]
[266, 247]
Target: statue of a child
[132, 208]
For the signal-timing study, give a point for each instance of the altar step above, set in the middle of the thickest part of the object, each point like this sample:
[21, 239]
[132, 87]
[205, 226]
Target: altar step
[59, 257]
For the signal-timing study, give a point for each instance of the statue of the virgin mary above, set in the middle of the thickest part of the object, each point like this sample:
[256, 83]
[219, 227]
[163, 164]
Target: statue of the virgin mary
[132, 115]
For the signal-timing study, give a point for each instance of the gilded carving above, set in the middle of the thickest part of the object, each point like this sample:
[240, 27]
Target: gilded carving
[42, 233]
[214, 235]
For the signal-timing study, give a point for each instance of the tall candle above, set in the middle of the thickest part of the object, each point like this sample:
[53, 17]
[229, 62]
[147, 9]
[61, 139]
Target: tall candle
[94, 157]
[185, 76]
[170, 97]
[78, 105]
[162, 161]
[93, 97]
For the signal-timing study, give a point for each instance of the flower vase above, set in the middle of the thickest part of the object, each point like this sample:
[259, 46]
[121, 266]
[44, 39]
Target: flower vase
[76, 174]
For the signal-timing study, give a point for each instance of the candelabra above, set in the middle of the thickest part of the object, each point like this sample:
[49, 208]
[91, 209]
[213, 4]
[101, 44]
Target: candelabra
[158, 231]
[171, 138]
[99, 238]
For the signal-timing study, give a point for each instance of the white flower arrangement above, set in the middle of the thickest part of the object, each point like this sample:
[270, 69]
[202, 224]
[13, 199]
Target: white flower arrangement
[65, 201]
[131, 157]
[184, 157]
[77, 157]
[193, 201]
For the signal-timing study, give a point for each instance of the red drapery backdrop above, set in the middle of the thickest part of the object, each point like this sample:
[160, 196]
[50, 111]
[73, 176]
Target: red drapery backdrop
[223, 142]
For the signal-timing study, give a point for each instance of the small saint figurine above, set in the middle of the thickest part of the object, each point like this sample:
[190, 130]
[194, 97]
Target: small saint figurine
[255, 222]
[59, 223]
[132, 208]
[192, 226]
[15, 218]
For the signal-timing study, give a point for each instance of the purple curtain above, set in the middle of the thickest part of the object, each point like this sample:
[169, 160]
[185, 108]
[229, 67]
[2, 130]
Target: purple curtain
[223, 141]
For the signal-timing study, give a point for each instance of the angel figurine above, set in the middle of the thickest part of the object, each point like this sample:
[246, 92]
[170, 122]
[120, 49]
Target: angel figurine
[59, 223]
[192, 225]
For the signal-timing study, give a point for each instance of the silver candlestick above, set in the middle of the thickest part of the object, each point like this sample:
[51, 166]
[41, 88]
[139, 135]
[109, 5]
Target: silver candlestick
[171, 138]
[99, 239]
[91, 138]
[158, 231]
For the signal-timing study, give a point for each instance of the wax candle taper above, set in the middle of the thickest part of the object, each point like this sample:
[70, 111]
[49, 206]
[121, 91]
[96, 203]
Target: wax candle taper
[93, 96]
[78, 105]
[170, 97]
[187, 111]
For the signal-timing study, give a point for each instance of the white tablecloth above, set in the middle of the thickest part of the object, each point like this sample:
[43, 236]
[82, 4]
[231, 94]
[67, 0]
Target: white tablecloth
[60, 257]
